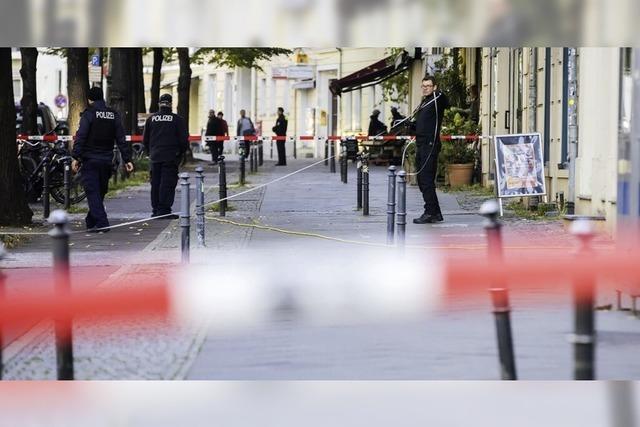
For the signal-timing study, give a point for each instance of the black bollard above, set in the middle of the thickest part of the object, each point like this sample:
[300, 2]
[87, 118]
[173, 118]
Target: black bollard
[295, 148]
[185, 216]
[67, 183]
[365, 184]
[326, 152]
[63, 326]
[222, 171]
[242, 180]
[260, 153]
[271, 150]
[584, 318]
[499, 294]
[3, 254]
[402, 208]
[359, 183]
[200, 206]
[46, 178]
[391, 204]
[332, 158]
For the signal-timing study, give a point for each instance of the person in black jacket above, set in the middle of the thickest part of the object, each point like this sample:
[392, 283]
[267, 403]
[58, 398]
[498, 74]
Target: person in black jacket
[428, 124]
[99, 127]
[214, 129]
[165, 139]
[280, 129]
[376, 127]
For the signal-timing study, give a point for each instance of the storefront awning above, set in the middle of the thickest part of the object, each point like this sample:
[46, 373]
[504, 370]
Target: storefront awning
[373, 74]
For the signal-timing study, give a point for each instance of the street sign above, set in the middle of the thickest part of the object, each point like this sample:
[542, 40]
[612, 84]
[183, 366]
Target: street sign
[60, 101]
[95, 61]
[95, 73]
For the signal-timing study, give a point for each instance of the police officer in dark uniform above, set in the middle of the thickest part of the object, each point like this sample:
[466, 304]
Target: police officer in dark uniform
[99, 127]
[280, 129]
[428, 124]
[165, 139]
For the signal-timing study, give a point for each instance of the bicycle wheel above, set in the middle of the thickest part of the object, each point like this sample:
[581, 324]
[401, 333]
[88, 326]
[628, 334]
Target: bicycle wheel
[32, 184]
[76, 193]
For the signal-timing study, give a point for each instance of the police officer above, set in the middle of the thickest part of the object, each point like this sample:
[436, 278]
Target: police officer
[428, 123]
[280, 129]
[99, 127]
[165, 139]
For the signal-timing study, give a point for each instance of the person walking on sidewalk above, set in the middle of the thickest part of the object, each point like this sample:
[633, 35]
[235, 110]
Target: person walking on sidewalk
[245, 128]
[213, 129]
[99, 127]
[224, 127]
[280, 129]
[165, 139]
[428, 124]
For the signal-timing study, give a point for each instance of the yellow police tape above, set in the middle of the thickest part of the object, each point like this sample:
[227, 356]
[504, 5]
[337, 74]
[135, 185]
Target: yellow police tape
[336, 239]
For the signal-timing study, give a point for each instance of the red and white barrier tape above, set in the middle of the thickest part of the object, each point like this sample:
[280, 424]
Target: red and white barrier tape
[200, 138]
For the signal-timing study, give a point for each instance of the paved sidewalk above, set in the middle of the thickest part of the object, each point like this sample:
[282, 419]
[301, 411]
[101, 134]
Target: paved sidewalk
[455, 344]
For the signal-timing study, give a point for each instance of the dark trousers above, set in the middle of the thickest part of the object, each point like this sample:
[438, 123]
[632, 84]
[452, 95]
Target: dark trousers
[95, 180]
[282, 156]
[427, 160]
[216, 148]
[164, 178]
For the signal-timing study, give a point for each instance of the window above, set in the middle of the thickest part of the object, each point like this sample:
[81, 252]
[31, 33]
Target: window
[347, 109]
[17, 88]
[356, 115]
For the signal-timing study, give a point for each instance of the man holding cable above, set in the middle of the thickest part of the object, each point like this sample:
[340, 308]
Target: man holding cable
[428, 123]
[99, 127]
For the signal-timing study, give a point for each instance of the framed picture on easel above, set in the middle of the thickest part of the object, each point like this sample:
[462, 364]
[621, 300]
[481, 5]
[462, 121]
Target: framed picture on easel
[519, 166]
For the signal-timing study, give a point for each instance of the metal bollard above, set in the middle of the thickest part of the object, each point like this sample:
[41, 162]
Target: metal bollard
[46, 200]
[67, 183]
[344, 165]
[365, 184]
[402, 208]
[271, 151]
[499, 294]
[63, 326]
[200, 206]
[584, 318]
[295, 148]
[326, 152]
[185, 217]
[260, 153]
[359, 183]
[391, 204]
[241, 179]
[254, 156]
[332, 159]
[3, 254]
[222, 180]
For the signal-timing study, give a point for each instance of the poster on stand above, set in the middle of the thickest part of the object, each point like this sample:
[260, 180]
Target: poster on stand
[519, 165]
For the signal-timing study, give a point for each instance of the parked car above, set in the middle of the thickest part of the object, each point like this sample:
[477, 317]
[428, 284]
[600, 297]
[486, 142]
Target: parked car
[46, 120]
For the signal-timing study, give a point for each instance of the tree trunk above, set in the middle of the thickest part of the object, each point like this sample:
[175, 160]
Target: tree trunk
[155, 79]
[77, 84]
[184, 88]
[29, 101]
[14, 209]
[119, 87]
[140, 72]
[184, 83]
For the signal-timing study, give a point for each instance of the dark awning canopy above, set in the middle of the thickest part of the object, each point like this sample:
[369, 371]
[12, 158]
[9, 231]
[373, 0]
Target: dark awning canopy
[373, 74]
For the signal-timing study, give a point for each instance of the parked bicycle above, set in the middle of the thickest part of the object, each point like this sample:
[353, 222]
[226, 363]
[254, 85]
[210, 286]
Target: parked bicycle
[32, 157]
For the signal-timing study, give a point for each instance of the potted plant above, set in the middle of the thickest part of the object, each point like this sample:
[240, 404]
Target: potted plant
[457, 156]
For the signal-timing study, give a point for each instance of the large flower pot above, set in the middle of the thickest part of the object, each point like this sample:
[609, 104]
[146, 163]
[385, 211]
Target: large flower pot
[460, 174]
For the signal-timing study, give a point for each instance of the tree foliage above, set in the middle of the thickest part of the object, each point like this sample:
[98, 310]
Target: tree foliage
[242, 57]
[396, 88]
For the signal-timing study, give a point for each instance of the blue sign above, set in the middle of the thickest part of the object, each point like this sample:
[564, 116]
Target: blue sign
[60, 101]
[95, 61]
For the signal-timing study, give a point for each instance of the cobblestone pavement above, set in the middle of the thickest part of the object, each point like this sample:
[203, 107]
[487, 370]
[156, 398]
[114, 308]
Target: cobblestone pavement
[107, 349]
